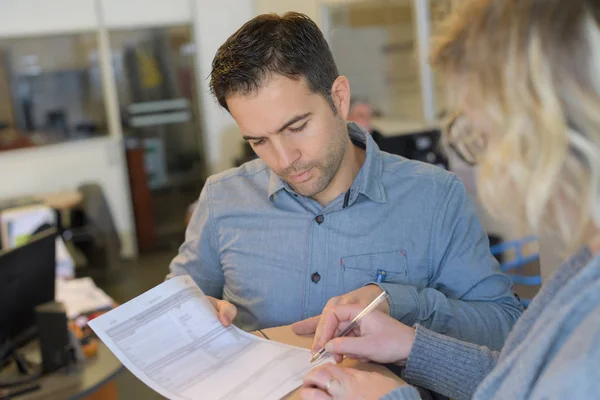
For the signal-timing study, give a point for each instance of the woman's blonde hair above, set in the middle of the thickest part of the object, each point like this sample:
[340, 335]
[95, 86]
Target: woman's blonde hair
[529, 71]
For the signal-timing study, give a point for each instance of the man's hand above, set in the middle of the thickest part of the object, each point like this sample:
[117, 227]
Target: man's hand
[362, 297]
[225, 310]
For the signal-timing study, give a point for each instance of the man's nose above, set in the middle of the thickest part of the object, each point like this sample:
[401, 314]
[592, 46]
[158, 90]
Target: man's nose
[287, 155]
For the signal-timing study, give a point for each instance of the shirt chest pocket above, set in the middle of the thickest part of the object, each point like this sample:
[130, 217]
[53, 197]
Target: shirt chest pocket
[361, 269]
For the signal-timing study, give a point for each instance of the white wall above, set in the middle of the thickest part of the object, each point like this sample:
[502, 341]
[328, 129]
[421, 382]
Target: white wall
[215, 21]
[32, 17]
[359, 66]
[312, 8]
[131, 13]
[65, 166]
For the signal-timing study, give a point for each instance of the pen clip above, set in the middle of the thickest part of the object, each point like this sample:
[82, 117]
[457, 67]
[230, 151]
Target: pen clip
[381, 274]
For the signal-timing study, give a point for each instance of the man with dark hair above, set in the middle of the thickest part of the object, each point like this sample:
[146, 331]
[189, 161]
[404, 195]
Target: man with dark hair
[324, 217]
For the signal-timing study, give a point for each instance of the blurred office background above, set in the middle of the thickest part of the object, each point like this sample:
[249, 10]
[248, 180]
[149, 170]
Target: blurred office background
[106, 116]
[115, 93]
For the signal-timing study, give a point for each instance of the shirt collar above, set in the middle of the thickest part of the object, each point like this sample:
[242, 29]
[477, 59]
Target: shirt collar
[368, 180]
[275, 184]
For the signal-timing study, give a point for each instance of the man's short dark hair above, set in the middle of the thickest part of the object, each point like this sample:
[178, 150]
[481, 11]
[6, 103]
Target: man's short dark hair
[290, 45]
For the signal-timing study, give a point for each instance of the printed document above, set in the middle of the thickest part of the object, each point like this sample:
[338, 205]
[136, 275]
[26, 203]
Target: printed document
[171, 339]
[81, 296]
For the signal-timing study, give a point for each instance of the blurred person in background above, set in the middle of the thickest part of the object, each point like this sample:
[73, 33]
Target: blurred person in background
[525, 78]
[361, 112]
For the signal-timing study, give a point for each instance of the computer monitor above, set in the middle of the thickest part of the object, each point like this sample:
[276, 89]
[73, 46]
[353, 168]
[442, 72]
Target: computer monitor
[27, 279]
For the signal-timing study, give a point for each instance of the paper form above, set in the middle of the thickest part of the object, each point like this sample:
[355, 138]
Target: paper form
[81, 296]
[171, 339]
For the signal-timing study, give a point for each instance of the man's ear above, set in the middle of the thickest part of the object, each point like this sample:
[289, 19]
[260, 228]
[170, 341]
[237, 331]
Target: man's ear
[340, 93]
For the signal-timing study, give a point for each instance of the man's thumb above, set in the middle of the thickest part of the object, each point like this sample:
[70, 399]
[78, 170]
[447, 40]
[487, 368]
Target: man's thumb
[227, 311]
[347, 345]
[307, 326]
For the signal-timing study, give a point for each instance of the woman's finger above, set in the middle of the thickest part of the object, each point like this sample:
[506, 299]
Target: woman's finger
[314, 394]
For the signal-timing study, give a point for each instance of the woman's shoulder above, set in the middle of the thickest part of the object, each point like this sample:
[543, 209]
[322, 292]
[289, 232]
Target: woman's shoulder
[573, 373]
[560, 291]
[558, 348]
[571, 268]
[574, 264]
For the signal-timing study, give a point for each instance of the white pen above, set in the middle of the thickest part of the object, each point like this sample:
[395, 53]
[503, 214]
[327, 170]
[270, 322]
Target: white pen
[352, 324]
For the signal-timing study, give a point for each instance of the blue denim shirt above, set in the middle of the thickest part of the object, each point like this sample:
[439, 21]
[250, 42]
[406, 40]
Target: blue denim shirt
[279, 256]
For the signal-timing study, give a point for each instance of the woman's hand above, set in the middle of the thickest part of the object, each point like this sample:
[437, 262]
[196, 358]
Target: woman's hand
[594, 245]
[334, 382]
[377, 337]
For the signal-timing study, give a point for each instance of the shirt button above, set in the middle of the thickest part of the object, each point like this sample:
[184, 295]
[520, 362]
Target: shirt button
[319, 218]
[315, 277]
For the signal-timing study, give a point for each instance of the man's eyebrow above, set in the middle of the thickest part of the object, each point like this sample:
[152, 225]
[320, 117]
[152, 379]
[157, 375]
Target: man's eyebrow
[252, 137]
[292, 121]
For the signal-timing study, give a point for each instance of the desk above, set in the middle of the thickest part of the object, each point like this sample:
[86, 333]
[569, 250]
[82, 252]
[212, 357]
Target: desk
[284, 334]
[62, 200]
[390, 127]
[92, 381]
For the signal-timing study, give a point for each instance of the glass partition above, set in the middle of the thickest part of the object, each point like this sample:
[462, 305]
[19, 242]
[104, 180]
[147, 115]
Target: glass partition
[154, 72]
[50, 90]
[155, 75]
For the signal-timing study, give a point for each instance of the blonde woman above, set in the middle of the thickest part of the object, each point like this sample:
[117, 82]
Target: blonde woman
[525, 75]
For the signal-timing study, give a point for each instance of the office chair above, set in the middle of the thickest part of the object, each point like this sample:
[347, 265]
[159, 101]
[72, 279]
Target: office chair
[93, 232]
[518, 261]
[422, 146]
